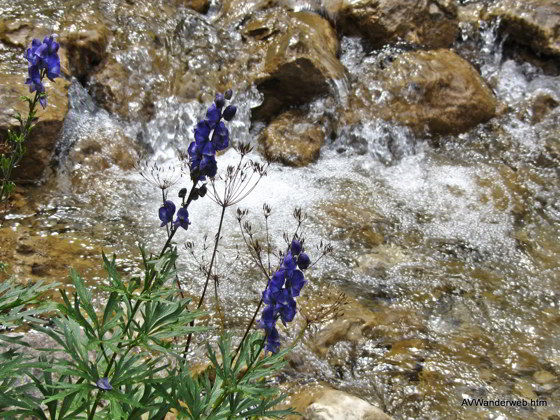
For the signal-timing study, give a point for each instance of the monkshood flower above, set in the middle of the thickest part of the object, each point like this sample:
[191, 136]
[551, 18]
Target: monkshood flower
[210, 136]
[182, 218]
[283, 287]
[166, 212]
[43, 61]
[104, 384]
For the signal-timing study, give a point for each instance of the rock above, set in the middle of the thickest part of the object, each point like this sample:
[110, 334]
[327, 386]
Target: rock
[360, 324]
[101, 149]
[338, 405]
[16, 34]
[300, 61]
[541, 105]
[534, 23]
[376, 263]
[354, 219]
[85, 43]
[544, 377]
[434, 91]
[201, 6]
[43, 137]
[426, 22]
[438, 90]
[292, 139]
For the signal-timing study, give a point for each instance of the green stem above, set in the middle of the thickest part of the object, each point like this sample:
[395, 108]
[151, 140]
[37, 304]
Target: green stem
[17, 154]
[249, 366]
[137, 306]
[189, 338]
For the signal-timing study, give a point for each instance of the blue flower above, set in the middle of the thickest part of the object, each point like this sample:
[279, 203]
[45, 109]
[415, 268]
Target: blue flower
[213, 115]
[283, 287]
[166, 212]
[104, 384]
[220, 100]
[210, 136]
[295, 247]
[220, 137]
[272, 340]
[182, 218]
[43, 61]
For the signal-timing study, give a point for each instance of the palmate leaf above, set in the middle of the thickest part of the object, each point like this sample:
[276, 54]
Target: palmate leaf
[15, 302]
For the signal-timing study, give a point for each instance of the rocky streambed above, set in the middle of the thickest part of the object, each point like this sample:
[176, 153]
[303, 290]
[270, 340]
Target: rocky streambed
[420, 137]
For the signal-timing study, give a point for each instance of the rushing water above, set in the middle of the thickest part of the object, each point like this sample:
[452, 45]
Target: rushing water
[450, 251]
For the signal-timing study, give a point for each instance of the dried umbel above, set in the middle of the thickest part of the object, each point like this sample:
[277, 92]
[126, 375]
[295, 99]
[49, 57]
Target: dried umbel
[162, 177]
[237, 183]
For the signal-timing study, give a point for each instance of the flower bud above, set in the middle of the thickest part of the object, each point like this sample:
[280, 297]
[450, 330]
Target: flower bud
[182, 193]
[228, 93]
[202, 190]
[220, 100]
[303, 261]
[229, 112]
[296, 247]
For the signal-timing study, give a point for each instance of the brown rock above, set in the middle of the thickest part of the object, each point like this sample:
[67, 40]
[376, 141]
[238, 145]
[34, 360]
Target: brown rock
[435, 91]
[201, 6]
[101, 149]
[427, 22]
[44, 135]
[300, 59]
[333, 405]
[85, 47]
[440, 90]
[534, 23]
[292, 139]
[541, 106]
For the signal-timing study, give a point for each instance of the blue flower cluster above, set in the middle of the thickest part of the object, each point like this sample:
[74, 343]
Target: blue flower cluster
[202, 151]
[279, 295]
[167, 211]
[43, 61]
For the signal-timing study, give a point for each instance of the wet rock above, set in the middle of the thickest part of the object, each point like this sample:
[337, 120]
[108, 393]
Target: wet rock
[85, 42]
[43, 137]
[429, 91]
[377, 263]
[333, 404]
[354, 219]
[359, 325]
[544, 377]
[438, 90]
[16, 34]
[541, 105]
[426, 22]
[300, 61]
[292, 139]
[201, 6]
[99, 150]
[119, 92]
[534, 23]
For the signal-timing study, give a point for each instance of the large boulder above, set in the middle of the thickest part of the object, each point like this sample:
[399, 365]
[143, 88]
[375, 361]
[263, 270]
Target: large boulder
[300, 58]
[434, 92]
[292, 139]
[427, 22]
[534, 23]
